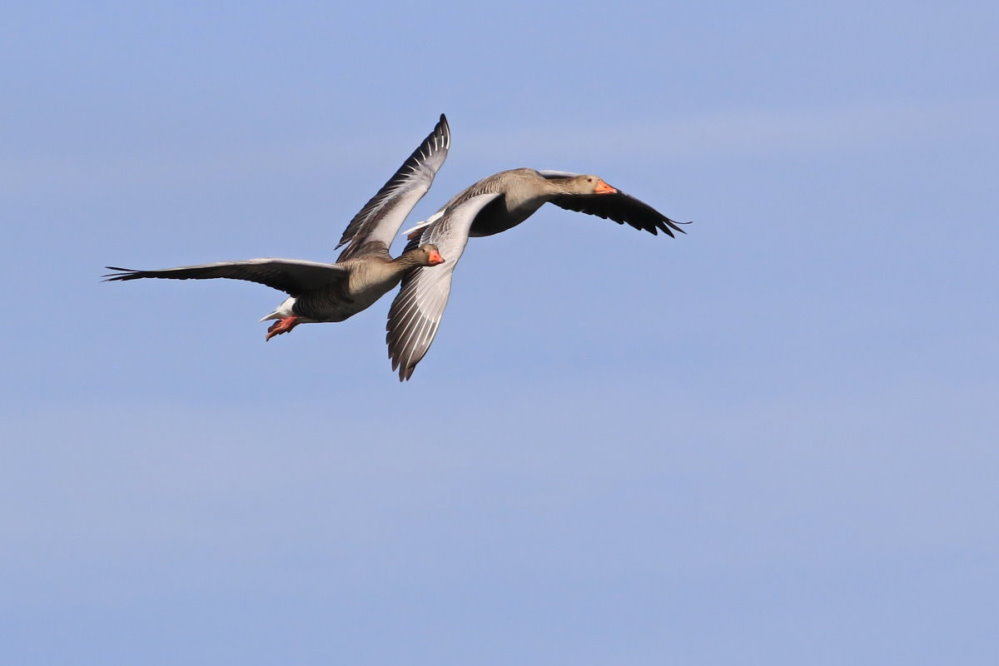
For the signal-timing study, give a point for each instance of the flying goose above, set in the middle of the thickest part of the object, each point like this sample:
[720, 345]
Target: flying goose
[364, 271]
[515, 195]
[524, 191]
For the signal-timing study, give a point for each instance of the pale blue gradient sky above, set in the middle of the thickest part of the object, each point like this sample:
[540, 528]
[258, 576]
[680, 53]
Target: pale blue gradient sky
[773, 440]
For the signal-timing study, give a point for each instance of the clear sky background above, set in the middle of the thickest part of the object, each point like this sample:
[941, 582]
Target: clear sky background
[773, 440]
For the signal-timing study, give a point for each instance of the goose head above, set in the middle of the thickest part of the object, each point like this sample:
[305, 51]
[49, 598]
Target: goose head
[427, 255]
[586, 184]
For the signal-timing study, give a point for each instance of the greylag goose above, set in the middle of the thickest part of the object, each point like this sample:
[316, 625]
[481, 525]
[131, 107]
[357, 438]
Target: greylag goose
[515, 195]
[364, 271]
[523, 191]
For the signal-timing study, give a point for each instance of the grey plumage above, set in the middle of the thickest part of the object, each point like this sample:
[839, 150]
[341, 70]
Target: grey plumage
[324, 292]
[513, 196]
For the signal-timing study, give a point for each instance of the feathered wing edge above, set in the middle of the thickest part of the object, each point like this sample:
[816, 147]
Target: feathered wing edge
[416, 312]
[292, 276]
[377, 223]
[620, 207]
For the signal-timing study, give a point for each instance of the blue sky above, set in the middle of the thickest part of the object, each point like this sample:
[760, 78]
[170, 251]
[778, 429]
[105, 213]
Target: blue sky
[772, 440]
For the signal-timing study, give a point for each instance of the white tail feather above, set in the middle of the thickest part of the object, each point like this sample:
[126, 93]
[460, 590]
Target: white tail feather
[282, 311]
[420, 226]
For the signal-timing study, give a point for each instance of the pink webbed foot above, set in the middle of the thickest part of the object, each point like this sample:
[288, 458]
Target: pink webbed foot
[282, 325]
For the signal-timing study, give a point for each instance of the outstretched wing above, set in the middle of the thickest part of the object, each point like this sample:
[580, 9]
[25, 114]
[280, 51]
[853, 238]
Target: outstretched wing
[374, 228]
[291, 276]
[416, 312]
[620, 207]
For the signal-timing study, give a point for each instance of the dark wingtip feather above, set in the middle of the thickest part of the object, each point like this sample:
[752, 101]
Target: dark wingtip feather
[404, 372]
[120, 274]
[668, 226]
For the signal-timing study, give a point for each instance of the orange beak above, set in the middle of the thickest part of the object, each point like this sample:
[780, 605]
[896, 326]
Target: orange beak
[435, 258]
[603, 188]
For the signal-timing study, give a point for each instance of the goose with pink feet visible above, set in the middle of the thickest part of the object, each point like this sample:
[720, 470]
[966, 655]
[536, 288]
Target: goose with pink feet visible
[364, 271]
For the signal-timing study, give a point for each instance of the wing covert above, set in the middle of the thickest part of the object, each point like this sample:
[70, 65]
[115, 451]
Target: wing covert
[376, 225]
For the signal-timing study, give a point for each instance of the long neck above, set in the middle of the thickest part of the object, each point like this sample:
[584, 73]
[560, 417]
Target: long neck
[414, 257]
[556, 186]
[526, 190]
[370, 274]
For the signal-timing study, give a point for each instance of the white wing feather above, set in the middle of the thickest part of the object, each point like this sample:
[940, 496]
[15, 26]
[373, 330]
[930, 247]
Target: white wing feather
[416, 312]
